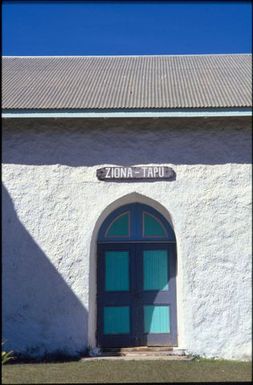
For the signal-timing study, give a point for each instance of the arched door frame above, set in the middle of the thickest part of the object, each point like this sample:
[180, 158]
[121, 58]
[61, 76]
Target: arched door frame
[109, 207]
[140, 244]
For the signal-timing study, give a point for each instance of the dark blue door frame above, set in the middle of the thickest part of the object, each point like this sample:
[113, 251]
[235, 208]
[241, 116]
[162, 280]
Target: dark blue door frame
[136, 297]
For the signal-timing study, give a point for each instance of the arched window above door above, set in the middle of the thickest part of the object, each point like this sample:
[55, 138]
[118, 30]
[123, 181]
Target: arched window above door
[135, 222]
[119, 227]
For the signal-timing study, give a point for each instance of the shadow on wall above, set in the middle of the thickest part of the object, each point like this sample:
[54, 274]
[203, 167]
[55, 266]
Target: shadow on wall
[41, 314]
[127, 142]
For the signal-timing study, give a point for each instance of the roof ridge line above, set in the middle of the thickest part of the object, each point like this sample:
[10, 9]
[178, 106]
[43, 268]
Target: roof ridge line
[124, 56]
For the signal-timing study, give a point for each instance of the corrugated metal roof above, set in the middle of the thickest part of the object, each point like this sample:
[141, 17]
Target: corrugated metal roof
[127, 82]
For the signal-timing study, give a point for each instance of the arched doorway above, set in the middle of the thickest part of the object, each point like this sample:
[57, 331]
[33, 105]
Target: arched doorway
[136, 276]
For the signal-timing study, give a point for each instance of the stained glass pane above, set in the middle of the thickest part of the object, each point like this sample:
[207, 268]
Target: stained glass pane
[116, 320]
[155, 265]
[152, 227]
[116, 271]
[119, 227]
[156, 319]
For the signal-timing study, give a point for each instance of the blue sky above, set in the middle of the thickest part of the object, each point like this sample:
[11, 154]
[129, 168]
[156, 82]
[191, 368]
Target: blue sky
[125, 28]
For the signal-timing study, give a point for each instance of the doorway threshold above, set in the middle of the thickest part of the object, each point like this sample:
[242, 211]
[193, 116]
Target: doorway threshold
[143, 351]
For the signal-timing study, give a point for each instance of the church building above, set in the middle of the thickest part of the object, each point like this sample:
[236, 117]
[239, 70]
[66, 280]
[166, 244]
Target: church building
[127, 217]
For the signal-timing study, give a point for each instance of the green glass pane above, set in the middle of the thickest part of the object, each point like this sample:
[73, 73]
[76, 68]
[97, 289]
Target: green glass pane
[116, 320]
[119, 227]
[153, 228]
[156, 319]
[116, 271]
[155, 266]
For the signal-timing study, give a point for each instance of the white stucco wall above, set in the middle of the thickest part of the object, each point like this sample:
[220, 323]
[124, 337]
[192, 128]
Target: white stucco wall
[53, 206]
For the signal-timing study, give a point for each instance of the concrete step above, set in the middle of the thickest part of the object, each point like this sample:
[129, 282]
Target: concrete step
[143, 351]
[139, 349]
[140, 357]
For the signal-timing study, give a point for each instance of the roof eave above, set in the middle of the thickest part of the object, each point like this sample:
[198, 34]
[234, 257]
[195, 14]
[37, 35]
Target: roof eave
[128, 113]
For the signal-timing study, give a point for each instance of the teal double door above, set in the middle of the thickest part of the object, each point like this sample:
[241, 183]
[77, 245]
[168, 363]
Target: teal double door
[136, 296]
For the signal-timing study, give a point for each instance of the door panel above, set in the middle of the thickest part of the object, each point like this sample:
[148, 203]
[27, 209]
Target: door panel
[157, 293]
[115, 316]
[156, 319]
[155, 270]
[116, 320]
[136, 295]
[117, 270]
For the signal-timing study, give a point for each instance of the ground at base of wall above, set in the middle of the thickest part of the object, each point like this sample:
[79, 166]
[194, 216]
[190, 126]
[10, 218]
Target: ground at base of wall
[123, 371]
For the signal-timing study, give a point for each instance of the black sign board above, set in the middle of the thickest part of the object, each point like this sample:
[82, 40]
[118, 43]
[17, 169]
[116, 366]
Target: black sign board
[144, 172]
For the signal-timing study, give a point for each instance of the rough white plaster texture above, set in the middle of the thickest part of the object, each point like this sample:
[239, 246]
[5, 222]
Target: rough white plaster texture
[53, 206]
